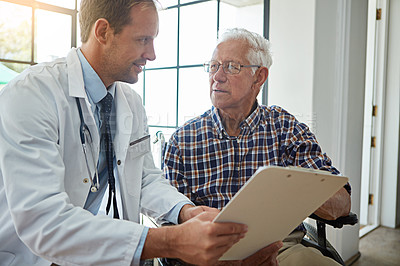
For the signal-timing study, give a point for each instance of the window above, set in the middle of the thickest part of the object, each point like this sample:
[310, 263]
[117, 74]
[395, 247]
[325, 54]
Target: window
[34, 31]
[174, 87]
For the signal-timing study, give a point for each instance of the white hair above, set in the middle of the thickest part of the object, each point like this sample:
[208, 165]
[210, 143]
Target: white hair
[259, 52]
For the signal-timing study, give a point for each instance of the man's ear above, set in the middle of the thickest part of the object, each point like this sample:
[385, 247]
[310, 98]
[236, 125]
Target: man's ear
[101, 30]
[261, 76]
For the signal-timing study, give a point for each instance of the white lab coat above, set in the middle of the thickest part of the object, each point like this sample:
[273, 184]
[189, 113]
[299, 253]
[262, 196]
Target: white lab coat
[42, 172]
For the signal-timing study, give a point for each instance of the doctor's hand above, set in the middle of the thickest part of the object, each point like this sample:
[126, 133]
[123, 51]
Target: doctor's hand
[189, 211]
[265, 256]
[198, 241]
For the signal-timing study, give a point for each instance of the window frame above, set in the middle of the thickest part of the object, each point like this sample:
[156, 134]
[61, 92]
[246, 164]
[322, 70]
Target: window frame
[33, 4]
[178, 67]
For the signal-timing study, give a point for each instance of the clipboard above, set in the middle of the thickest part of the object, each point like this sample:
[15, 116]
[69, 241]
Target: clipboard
[273, 202]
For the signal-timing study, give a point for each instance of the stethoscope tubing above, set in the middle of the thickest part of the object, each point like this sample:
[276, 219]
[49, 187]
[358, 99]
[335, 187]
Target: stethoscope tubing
[95, 186]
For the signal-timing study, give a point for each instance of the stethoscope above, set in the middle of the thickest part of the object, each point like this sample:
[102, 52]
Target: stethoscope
[85, 134]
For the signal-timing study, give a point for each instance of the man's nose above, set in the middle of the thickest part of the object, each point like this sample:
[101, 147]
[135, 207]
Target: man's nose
[150, 53]
[220, 75]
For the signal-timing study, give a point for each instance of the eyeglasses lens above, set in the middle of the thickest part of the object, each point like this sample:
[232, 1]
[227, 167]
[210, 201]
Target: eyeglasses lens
[231, 68]
[228, 67]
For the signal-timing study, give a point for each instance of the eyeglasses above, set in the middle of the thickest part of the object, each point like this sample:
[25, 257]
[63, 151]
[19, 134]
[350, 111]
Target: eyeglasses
[229, 67]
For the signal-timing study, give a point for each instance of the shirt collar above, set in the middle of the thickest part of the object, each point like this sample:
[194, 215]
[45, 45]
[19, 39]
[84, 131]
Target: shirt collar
[94, 87]
[251, 121]
[218, 123]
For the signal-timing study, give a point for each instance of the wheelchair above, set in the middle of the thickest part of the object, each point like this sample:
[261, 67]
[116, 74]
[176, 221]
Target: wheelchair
[315, 237]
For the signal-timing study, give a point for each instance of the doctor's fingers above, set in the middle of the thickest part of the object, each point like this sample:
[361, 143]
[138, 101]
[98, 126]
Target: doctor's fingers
[197, 210]
[204, 216]
[207, 251]
[222, 229]
[219, 228]
[215, 245]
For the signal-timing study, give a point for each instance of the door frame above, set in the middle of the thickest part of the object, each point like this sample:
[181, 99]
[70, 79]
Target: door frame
[375, 86]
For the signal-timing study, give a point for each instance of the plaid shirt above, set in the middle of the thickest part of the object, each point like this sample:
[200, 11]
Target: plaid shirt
[209, 166]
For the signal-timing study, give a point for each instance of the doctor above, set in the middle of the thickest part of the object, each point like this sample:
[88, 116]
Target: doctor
[54, 173]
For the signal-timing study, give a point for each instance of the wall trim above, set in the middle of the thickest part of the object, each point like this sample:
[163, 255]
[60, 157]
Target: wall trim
[341, 81]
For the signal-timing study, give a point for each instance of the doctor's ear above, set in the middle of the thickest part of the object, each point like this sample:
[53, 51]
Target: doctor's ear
[101, 30]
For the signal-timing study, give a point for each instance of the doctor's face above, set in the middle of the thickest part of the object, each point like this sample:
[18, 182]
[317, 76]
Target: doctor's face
[129, 50]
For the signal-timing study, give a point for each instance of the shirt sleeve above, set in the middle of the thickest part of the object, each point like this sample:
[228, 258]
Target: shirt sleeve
[301, 148]
[139, 249]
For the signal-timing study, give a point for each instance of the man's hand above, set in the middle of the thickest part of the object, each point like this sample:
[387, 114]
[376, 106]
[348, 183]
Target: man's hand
[189, 211]
[197, 241]
[336, 206]
[266, 257]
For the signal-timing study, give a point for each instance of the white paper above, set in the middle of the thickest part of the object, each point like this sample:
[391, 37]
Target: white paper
[274, 202]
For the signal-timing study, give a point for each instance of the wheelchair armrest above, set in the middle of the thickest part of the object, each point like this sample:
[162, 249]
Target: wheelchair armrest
[350, 219]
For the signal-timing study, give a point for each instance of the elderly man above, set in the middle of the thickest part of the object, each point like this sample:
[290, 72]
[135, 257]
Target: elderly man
[211, 156]
[60, 154]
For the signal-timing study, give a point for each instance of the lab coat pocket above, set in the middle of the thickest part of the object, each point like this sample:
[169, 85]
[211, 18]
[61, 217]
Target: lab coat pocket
[134, 165]
[139, 147]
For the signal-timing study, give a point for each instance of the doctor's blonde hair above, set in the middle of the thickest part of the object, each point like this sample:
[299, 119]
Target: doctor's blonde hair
[116, 12]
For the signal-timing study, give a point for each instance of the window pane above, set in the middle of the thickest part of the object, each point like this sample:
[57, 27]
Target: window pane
[53, 38]
[194, 95]
[157, 148]
[15, 32]
[167, 132]
[186, 1]
[168, 3]
[198, 32]
[63, 3]
[138, 86]
[160, 97]
[165, 44]
[15, 67]
[9, 71]
[78, 33]
[248, 17]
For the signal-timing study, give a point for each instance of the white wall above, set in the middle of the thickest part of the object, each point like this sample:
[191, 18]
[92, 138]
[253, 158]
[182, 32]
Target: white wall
[346, 141]
[390, 214]
[290, 81]
[318, 73]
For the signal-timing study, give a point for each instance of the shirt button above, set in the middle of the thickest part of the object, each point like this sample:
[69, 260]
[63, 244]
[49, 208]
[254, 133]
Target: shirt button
[119, 162]
[85, 180]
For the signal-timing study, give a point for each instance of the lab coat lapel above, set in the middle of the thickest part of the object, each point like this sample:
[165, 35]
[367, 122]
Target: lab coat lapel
[77, 90]
[126, 124]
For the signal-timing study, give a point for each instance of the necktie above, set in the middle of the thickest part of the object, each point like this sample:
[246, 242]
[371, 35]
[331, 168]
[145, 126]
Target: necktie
[105, 111]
